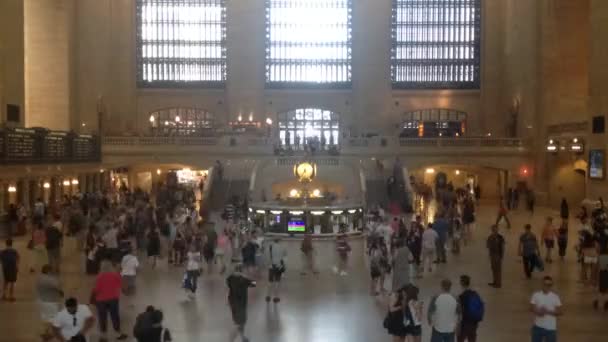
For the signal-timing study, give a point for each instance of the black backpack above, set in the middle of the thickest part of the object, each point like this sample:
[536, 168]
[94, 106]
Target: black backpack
[143, 323]
[53, 238]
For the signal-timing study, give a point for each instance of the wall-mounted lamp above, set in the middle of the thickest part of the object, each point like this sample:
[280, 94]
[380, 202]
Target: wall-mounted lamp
[46, 185]
[552, 146]
[12, 188]
[576, 145]
[75, 181]
[66, 183]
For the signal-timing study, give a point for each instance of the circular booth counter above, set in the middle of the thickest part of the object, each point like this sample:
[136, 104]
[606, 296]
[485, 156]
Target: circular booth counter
[322, 221]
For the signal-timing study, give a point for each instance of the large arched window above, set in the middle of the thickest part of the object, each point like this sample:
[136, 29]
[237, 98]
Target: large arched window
[298, 126]
[181, 121]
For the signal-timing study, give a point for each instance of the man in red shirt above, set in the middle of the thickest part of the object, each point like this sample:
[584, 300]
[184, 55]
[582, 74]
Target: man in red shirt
[106, 295]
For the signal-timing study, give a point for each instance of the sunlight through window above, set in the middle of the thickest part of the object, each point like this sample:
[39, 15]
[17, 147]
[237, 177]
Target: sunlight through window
[308, 42]
[297, 127]
[181, 42]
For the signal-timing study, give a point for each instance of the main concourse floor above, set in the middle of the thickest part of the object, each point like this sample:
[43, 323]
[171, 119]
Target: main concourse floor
[328, 307]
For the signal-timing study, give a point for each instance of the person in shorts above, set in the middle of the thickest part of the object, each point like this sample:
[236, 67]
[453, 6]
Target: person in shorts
[10, 265]
[238, 286]
[276, 254]
[549, 235]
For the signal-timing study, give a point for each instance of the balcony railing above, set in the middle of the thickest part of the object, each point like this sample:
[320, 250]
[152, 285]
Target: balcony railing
[461, 142]
[39, 145]
[347, 144]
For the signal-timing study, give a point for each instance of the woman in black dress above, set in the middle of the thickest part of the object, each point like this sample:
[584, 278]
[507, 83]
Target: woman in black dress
[395, 317]
[153, 245]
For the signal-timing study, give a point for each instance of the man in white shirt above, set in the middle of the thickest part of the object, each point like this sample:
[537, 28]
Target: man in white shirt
[444, 314]
[429, 247]
[128, 272]
[73, 323]
[546, 305]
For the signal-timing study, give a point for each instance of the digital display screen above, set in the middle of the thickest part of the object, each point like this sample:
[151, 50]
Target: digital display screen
[296, 225]
[596, 164]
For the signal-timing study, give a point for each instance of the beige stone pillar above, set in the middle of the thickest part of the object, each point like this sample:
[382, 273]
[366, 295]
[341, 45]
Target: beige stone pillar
[598, 85]
[48, 60]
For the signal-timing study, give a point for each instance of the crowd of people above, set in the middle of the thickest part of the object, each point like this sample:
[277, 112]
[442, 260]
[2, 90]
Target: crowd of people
[113, 231]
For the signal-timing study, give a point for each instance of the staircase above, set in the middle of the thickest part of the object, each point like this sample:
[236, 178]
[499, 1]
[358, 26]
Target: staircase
[377, 187]
[223, 190]
[376, 193]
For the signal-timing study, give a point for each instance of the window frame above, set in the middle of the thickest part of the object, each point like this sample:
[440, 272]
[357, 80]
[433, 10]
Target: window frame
[203, 121]
[306, 84]
[140, 59]
[288, 121]
[396, 63]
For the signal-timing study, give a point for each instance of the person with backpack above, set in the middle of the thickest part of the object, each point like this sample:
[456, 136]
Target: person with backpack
[143, 323]
[473, 310]
[149, 327]
[444, 314]
[276, 255]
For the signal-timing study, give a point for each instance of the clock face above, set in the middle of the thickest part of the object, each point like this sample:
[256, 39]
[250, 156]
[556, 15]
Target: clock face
[305, 171]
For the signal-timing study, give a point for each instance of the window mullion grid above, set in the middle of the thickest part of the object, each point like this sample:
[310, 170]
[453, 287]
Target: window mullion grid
[436, 43]
[184, 42]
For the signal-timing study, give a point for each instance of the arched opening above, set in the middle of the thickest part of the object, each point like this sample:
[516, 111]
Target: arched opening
[435, 122]
[306, 125]
[181, 122]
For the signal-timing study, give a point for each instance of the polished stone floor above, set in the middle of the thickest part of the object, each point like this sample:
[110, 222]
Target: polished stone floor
[330, 308]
